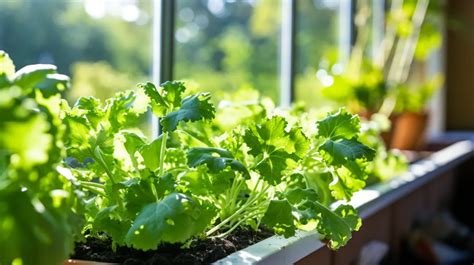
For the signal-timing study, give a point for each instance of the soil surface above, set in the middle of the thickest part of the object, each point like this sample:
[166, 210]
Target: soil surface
[201, 251]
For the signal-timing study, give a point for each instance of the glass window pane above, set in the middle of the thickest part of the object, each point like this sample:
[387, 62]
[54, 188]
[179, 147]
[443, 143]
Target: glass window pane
[104, 45]
[225, 45]
[318, 43]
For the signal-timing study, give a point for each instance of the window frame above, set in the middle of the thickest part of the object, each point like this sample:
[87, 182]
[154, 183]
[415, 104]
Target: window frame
[163, 42]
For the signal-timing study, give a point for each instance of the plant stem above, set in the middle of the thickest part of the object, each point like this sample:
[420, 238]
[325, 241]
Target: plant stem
[153, 190]
[163, 152]
[389, 40]
[94, 190]
[226, 233]
[404, 54]
[116, 194]
[197, 138]
[228, 219]
[409, 51]
[179, 169]
[256, 185]
[231, 196]
[237, 213]
[97, 154]
[91, 184]
[357, 55]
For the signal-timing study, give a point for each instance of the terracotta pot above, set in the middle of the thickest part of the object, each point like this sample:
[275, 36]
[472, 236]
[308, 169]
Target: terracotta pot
[408, 130]
[85, 262]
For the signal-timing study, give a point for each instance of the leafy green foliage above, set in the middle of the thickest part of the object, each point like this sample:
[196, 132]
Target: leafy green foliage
[342, 151]
[361, 88]
[271, 141]
[7, 69]
[176, 218]
[193, 108]
[166, 98]
[31, 75]
[38, 225]
[216, 159]
[168, 102]
[132, 182]
[338, 224]
[151, 153]
[200, 178]
[279, 216]
[371, 84]
[339, 125]
[341, 144]
[415, 98]
[344, 154]
[281, 155]
[195, 179]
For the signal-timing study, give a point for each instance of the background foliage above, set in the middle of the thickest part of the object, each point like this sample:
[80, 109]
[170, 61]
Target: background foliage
[234, 47]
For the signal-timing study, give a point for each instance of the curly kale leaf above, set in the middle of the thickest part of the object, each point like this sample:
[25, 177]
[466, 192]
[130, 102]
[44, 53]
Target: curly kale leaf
[345, 150]
[31, 75]
[342, 151]
[166, 98]
[340, 124]
[274, 146]
[176, 218]
[337, 225]
[193, 108]
[299, 206]
[279, 217]
[167, 102]
[216, 159]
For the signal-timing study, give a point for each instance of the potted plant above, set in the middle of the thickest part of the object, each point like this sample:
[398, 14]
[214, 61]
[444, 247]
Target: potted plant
[411, 115]
[386, 84]
[414, 35]
[207, 184]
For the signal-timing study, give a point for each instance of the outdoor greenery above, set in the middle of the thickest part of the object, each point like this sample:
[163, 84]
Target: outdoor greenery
[222, 51]
[61, 32]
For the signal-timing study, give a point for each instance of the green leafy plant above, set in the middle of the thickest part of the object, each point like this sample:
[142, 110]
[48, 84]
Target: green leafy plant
[280, 159]
[413, 35]
[410, 98]
[198, 179]
[137, 202]
[362, 87]
[37, 222]
[385, 82]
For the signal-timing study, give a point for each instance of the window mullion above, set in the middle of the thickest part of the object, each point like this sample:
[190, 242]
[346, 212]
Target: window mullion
[163, 32]
[378, 27]
[287, 51]
[345, 30]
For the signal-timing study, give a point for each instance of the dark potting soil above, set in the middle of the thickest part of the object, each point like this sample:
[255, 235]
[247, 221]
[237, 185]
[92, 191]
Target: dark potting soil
[200, 252]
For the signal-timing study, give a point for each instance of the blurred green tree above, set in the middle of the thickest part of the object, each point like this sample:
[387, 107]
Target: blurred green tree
[63, 33]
